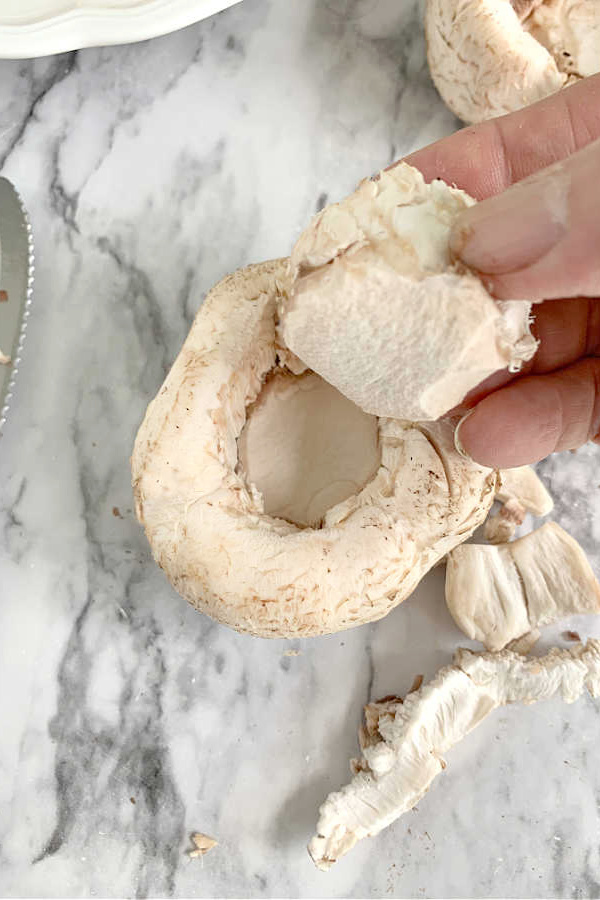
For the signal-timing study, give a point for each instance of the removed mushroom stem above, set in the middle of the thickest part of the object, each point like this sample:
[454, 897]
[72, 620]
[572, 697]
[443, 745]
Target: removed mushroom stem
[406, 740]
[498, 593]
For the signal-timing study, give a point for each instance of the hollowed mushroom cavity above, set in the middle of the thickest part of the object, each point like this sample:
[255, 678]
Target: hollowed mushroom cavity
[272, 502]
[305, 447]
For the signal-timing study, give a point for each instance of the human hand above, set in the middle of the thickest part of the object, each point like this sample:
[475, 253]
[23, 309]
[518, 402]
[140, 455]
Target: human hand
[537, 239]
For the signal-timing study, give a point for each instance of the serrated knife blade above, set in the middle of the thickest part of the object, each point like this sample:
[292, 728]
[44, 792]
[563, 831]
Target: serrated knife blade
[16, 288]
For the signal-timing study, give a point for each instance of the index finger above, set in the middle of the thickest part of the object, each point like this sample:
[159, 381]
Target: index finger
[486, 159]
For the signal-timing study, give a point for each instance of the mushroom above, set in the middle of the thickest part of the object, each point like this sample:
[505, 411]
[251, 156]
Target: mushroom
[499, 593]
[500, 528]
[403, 742]
[523, 485]
[490, 57]
[520, 491]
[378, 308]
[270, 500]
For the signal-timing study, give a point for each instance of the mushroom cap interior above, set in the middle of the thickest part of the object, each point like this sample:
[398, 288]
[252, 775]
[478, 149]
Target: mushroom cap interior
[306, 447]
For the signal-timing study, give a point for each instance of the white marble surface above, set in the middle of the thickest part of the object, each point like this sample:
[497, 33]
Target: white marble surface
[150, 171]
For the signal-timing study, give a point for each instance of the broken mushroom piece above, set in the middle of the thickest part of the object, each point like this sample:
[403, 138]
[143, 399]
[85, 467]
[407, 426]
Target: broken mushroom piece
[520, 491]
[499, 593]
[404, 742]
[501, 527]
[523, 485]
[203, 844]
[376, 306]
[275, 505]
[491, 57]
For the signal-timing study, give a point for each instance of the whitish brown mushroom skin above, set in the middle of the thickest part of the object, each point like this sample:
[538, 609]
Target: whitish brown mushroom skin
[207, 526]
[491, 57]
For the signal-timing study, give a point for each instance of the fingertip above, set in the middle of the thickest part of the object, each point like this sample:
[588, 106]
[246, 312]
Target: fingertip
[500, 434]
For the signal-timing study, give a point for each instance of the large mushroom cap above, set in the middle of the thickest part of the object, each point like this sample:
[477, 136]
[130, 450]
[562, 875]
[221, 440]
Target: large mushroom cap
[490, 57]
[379, 309]
[306, 549]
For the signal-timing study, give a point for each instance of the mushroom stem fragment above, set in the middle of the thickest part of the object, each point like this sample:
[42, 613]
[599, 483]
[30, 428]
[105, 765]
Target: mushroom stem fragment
[520, 491]
[522, 484]
[404, 742]
[499, 593]
[500, 528]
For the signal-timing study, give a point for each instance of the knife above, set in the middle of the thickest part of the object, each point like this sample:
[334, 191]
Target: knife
[16, 288]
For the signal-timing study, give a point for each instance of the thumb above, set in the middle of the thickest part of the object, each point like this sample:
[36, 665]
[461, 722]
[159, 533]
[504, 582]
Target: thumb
[533, 417]
[539, 239]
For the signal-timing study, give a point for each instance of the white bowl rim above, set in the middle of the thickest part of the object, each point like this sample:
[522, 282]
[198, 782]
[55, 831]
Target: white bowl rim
[60, 30]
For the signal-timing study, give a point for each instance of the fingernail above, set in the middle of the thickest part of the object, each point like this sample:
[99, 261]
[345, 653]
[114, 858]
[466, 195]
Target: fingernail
[457, 441]
[514, 229]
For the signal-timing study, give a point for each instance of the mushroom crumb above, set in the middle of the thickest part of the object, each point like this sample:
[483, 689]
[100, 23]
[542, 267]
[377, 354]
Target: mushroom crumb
[4, 359]
[202, 845]
[403, 742]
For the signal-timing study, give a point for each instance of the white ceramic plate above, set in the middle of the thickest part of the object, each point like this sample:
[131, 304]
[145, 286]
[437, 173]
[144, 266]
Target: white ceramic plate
[42, 27]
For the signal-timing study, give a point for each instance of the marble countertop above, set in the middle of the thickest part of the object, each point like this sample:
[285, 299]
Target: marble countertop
[127, 719]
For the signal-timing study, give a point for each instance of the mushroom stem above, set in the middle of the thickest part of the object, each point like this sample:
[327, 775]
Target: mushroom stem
[406, 741]
[498, 593]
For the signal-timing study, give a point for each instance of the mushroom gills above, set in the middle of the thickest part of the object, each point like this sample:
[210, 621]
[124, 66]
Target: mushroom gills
[305, 447]
[497, 594]
[404, 742]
